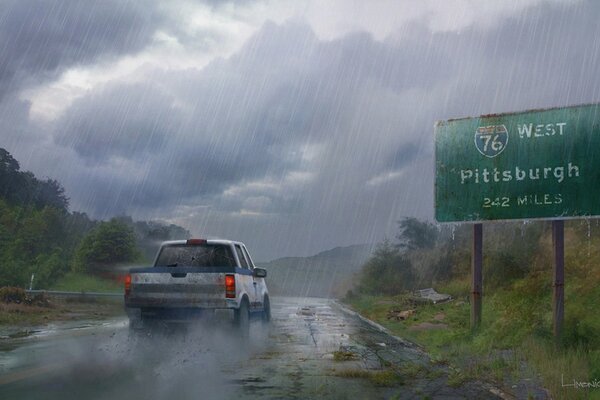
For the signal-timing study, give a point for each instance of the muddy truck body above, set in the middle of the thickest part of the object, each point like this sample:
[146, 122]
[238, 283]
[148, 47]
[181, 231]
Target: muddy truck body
[192, 278]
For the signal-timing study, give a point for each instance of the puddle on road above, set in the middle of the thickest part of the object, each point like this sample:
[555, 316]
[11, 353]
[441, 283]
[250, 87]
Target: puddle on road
[21, 334]
[244, 381]
[12, 337]
[307, 311]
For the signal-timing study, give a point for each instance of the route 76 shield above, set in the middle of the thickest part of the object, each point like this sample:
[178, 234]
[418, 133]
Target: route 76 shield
[491, 140]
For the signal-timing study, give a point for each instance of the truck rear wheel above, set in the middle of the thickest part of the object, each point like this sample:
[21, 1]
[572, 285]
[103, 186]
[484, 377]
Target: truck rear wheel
[242, 318]
[266, 313]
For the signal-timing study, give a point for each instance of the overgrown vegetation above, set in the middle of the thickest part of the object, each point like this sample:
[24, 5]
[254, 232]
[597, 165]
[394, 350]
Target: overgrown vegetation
[517, 313]
[41, 238]
[82, 282]
[109, 243]
[383, 378]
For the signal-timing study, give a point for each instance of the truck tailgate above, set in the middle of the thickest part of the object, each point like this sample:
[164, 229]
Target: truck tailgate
[177, 287]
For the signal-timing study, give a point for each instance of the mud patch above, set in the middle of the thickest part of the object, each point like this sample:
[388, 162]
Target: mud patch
[428, 326]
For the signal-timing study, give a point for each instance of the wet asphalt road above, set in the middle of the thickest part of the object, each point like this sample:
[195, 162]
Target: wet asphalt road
[291, 358]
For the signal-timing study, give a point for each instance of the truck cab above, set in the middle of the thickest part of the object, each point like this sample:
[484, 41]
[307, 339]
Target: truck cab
[194, 277]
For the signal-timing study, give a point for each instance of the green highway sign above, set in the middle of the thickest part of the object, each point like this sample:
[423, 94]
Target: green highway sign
[531, 164]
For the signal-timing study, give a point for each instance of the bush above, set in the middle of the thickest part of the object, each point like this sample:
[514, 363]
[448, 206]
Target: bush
[502, 268]
[110, 243]
[415, 234]
[9, 294]
[49, 268]
[387, 272]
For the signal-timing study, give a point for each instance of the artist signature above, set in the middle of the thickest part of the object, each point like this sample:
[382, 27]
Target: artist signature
[595, 384]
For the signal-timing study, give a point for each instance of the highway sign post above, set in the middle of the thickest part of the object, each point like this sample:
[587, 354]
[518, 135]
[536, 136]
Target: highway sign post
[476, 275]
[538, 164]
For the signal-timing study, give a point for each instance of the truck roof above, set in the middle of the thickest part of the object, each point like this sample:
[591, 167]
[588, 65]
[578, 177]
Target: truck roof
[208, 241]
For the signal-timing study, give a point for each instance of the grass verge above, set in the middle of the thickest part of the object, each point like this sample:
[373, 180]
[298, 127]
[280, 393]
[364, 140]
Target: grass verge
[20, 314]
[25, 316]
[514, 343]
[78, 282]
[383, 378]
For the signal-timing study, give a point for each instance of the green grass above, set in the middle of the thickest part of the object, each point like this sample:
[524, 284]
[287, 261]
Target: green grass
[19, 314]
[78, 282]
[515, 337]
[343, 355]
[412, 370]
[558, 366]
[383, 378]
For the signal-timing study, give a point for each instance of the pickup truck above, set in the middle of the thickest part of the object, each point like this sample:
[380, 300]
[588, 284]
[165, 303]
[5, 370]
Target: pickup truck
[195, 277]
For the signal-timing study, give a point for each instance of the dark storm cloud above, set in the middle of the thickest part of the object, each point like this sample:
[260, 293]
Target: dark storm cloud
[543, 57]
[119, 121]
[244, 118]
[40, 39]
[295, 144]
[185, 151]
[403, 155]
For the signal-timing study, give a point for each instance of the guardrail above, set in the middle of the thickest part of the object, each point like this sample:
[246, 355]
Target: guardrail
[59, 293]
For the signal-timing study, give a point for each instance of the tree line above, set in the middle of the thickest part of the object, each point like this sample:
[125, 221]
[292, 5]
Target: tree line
[423, 255]
[40, 235]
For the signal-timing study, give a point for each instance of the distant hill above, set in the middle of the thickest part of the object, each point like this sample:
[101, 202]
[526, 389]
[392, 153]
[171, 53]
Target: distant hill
[327, 274]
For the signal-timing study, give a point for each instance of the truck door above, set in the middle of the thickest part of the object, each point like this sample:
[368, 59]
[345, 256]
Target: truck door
[259, 283]
[248, 280]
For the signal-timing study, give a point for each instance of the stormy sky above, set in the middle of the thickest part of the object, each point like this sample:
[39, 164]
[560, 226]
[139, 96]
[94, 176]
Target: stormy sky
[294, 126]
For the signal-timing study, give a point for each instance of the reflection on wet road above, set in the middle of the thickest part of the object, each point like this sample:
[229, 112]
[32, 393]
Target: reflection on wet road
[312, 349]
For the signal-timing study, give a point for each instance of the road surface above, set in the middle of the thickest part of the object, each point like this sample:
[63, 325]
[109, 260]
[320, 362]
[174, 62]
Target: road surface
[312, 349]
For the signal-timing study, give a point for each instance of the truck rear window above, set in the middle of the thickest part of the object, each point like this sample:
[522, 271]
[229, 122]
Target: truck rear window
[205, 255]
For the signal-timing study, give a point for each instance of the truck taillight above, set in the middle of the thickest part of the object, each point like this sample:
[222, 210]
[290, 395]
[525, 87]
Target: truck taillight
[230, 286]
[196, 241]
[127, 284]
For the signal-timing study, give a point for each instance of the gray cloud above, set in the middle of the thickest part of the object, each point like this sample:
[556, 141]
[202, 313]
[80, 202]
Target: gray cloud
[119, 121]
[39, 39]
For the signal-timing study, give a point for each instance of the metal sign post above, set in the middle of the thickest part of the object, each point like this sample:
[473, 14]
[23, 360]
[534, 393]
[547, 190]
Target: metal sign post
[476, 276]
[558, 278]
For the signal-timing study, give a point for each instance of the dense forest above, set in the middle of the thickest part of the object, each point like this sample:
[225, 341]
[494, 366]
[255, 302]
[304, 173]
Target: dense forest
[41, 237]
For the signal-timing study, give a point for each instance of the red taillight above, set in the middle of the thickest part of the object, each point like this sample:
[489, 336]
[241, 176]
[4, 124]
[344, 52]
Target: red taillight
[127, 284]
[230, 286]
[196, 241]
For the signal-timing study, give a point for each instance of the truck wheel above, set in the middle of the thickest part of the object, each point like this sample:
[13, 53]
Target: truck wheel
[266, 313]
[242, 318]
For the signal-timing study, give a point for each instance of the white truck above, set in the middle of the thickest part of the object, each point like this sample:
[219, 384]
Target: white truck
[194, 277]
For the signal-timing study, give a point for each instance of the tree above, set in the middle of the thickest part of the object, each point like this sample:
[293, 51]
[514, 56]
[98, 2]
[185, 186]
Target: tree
[415, 234]
[10, 176]
[149, 235]
[109, 244]
[50, 193]
[29, 237]
[387, 272]
[23, 188]
[77, 226]
[38, 235]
